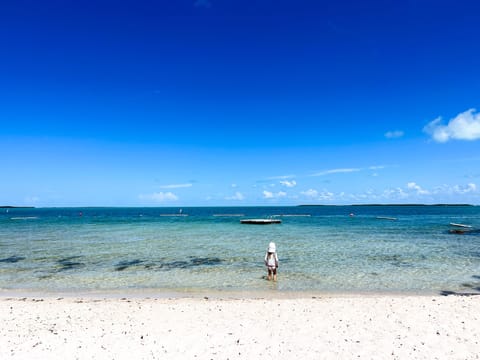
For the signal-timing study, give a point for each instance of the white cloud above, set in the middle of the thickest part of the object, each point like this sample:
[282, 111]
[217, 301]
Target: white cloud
[445, 189]
[458, 189]
[411, 192]
[395, 193]
[326, 195]
[337, 171]
[417, 188]
[394, 134]
[176, 186]
[465, 126]
[267, 194]
[289, 184]
[238, 196]
[159, 197]
[310, 193]
[271, 195]
[316, 195]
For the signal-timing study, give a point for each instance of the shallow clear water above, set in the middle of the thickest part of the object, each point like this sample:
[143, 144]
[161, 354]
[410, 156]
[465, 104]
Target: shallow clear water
[110, 249]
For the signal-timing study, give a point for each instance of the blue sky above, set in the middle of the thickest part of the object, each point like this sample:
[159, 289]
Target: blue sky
[208, 102]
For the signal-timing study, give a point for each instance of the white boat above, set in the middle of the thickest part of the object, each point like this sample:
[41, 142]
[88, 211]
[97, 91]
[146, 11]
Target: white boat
[261, 221]
[386, 218]
[461, 225]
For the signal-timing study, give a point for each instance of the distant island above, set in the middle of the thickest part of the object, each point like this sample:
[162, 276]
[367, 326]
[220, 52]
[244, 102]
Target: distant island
[16, 207]
[390, 205]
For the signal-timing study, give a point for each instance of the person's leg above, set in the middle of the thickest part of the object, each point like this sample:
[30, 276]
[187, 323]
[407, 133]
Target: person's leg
[269, 277]
[274, 274]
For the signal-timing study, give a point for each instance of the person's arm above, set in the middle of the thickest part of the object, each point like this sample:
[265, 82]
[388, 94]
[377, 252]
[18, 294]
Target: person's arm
[276, 260]
[265, 260]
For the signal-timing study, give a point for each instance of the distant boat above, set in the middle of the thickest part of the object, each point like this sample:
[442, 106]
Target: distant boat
[292, 215]
[180, 213]
[261, 221]
[386, 218]
[227, 215]
[460, 225]
[464, 231]
[174, 215]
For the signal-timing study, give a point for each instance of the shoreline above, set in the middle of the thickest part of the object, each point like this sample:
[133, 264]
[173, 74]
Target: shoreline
[218, 294]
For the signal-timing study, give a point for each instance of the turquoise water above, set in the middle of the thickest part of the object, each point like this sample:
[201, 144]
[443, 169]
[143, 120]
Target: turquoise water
[111, 249]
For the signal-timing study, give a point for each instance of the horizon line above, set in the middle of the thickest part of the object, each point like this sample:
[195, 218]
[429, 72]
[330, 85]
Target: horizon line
[207, 206]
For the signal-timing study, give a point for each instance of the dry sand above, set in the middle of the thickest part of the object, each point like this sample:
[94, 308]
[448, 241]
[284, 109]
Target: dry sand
[315, 327]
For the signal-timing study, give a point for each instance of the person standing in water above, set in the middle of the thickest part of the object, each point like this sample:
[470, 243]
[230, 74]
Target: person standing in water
[271, 261]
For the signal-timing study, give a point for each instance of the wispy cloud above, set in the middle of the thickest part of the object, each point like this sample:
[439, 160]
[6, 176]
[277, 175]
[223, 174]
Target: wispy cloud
[394, 134]
[288, 183]
[281, 177]
[238, 196]
[176, 186]
[336, 171]
[465, 126]
[159, 197]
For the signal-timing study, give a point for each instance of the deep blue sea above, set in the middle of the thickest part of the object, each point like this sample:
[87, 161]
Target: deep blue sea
[321, 249]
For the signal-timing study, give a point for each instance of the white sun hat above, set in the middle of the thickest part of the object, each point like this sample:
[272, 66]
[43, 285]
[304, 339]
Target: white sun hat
[271, 247]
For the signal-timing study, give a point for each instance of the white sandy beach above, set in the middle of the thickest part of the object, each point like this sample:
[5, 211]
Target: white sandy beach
[315, 327]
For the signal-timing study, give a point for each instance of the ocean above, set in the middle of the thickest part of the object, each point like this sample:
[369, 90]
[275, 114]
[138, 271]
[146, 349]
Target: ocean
[340, 249]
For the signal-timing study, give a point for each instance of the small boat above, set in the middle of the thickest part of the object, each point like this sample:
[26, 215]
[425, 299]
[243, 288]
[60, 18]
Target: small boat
[457, 231]
[461, 225]
[260, 221]
[464, 231]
